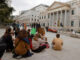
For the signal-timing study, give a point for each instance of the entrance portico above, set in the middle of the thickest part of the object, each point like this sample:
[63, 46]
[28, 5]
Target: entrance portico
[59, 15]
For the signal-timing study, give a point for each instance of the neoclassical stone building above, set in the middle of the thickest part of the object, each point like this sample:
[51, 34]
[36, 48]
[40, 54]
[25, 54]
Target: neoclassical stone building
[32, 15]
[62, 15]
[58, 15]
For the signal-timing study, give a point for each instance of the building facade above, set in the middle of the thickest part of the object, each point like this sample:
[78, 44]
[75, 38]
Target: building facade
[63, 15]
[58, 15]
[32, 15]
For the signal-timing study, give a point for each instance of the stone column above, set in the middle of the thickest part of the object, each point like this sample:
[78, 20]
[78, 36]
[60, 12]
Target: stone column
[61, 17]
[50, 19]
[70, 18]
[46, 19]
[57, 20]
[53, 20]
[65, 18]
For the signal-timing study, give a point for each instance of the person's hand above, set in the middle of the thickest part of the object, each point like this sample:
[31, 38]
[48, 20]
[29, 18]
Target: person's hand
[46, 38]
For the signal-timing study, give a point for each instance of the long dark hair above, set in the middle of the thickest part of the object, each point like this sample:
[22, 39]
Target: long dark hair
[7, 32]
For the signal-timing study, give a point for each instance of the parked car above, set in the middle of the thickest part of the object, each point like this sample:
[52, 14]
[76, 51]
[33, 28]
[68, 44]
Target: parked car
[52, 30]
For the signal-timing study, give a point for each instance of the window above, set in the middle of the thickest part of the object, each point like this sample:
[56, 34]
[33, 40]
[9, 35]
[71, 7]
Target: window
[48, 24]
[51, 13]
[42, 17]
[43, 24]
[72, 12]
[72, 3]
[35, 19]
[38, 20]
[48, 16]
[72, 23]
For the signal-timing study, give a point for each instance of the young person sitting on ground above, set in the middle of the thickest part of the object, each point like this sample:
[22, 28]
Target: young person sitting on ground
[6, 42]
[28, 39]
[36, 45]
[43, 38]
[57, 43]
[8, 37]
[22, 48]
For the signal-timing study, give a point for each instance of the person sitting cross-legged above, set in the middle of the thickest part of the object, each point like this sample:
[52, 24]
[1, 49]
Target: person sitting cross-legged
[41, 37]
[36, 45]
[57, 43]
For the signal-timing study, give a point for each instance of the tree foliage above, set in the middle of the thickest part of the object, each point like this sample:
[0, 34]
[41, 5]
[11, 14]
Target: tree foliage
[5, 11]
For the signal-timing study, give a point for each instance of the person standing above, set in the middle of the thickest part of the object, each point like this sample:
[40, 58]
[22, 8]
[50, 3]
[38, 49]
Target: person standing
[18, 25]
[25, 26]
[38, 26]
[16, 31]
[47, 28]
[14, 25]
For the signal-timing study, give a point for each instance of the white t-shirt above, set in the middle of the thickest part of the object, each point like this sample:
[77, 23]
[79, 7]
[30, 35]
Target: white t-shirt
[36, 44]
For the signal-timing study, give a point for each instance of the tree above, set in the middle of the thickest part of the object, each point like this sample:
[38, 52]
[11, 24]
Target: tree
[5, 11]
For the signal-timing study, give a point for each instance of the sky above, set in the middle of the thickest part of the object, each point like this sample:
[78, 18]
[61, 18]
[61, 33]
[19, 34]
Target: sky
[21, 5]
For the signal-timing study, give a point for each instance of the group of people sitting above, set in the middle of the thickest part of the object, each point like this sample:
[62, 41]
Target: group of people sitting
[25, 44]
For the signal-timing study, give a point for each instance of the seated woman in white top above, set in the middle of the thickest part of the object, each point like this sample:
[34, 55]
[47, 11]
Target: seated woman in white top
[41, 37]
[57, 43]
[36, 45]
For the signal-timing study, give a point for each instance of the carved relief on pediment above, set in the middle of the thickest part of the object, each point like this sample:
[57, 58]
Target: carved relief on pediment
[57, 5]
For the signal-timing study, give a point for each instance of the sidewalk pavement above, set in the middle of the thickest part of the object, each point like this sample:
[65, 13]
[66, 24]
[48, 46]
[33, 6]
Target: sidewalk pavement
[76, 35]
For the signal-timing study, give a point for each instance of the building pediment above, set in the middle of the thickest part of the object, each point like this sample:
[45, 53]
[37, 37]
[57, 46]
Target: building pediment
[58, 5]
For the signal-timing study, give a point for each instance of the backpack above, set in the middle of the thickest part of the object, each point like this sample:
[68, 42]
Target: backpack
[3, 44]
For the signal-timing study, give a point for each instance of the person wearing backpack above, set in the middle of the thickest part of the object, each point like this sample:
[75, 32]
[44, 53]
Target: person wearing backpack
[33, 32]
[22, 48]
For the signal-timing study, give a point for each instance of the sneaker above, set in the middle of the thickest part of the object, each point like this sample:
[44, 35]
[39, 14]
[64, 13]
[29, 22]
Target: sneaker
[15, 55]
[25, 56]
